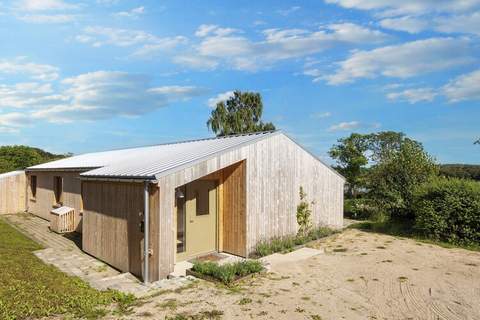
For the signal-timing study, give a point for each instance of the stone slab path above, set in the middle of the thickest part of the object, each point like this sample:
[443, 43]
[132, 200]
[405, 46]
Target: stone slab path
[64, 252]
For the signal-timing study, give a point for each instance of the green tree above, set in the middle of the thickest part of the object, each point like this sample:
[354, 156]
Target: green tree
[241, 113]
[20, 157]
[351, 159]
[392, 181]
[382, 144]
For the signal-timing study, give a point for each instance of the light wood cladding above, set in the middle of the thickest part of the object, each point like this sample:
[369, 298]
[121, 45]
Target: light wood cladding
[12, 193]
[113, 212]
[234, 210]
[44, 201]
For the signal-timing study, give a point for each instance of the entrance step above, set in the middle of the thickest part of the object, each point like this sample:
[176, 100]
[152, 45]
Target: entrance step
[180, 269]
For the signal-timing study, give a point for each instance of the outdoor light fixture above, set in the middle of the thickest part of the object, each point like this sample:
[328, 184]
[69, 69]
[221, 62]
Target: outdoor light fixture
[179, 194]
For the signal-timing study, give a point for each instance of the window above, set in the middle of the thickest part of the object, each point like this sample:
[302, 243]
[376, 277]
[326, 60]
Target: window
[202, 201]
[33, 186]
[57, 189]
[181, 219]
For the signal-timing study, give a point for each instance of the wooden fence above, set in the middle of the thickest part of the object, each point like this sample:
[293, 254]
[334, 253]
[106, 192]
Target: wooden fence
[12, 192]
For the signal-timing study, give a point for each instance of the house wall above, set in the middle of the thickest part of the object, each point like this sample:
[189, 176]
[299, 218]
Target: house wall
[12, 192]
[276, 167]
[113, 212]
[44, 201]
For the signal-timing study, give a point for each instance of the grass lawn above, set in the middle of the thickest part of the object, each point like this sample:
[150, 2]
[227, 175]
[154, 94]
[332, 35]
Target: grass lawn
[31, 289]
[405, 228]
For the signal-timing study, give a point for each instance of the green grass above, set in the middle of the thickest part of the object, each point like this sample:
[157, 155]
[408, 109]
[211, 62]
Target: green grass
[203, 315]
[245, 301]
[31, 289]
[404, 228]
[289, 243]
[229, 272]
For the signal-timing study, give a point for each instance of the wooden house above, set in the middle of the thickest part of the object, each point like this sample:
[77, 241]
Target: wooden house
[171, 202]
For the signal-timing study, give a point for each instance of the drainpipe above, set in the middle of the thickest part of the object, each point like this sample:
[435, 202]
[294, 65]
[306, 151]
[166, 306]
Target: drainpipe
[146, 250]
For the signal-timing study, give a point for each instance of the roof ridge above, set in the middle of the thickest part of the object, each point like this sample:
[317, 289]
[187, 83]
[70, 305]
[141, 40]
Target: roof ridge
[185, 141]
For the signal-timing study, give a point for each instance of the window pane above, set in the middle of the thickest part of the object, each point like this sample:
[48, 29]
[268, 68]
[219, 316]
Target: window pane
[57, 187]
[202, 201]
[181, 220]
[33, 185]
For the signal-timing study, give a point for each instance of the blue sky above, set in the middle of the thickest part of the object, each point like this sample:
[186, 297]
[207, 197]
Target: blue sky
[89, 76]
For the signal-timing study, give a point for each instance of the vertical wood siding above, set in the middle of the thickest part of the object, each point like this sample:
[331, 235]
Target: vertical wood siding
[234, 210]
[153, 267]
[12, 193]
[111, 227]
[43, 203]
[107, 209]
[276, 167]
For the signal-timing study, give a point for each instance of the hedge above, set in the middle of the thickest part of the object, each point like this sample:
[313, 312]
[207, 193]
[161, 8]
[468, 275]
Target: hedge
[448, 209]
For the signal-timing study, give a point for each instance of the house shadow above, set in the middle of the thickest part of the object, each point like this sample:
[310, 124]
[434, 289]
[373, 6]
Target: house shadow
[75, 237]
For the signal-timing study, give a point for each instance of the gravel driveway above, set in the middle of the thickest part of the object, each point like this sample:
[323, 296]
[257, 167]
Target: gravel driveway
[359, 276]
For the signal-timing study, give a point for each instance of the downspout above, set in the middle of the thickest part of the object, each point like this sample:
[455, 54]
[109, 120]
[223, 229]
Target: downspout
[146, 250]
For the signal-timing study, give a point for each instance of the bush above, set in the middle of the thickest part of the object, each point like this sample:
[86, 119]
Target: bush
[360, 208]
[304, 214]
[288, 243]
[229, 272]
[448, 209]
[392, 182]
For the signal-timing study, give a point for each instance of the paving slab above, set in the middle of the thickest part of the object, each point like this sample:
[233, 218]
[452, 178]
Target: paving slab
[297, 255]
[64, 252]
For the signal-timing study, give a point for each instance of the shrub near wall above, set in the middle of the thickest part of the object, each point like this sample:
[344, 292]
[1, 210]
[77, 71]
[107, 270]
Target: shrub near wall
[449, 210]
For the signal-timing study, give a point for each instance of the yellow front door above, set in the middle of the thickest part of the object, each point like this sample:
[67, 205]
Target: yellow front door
[199, 219]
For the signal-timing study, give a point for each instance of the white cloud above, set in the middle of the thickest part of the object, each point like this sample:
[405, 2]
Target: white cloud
[177, 93]
[148, 44]
[414, 95]
[28, 94]
[460, 23]
[99, 36]
[345, 126]
[196, 62]
[133, 14]
[11, 122]
[35, 71]
[320, 115]
[286, 12]
[45, 5]
[48, 18]
[212, 102]
[408, 7]
[212, 29]
[464, 87]
[160, 45]
[406, 23]
[404, 60]
[107, 94]
[352, 125]
[227, 46]
[467, 23]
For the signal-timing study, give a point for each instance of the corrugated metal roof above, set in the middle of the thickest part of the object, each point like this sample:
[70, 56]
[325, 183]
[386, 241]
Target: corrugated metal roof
[150, 162]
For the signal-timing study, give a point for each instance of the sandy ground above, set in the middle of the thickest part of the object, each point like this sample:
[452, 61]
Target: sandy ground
[360, 276]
